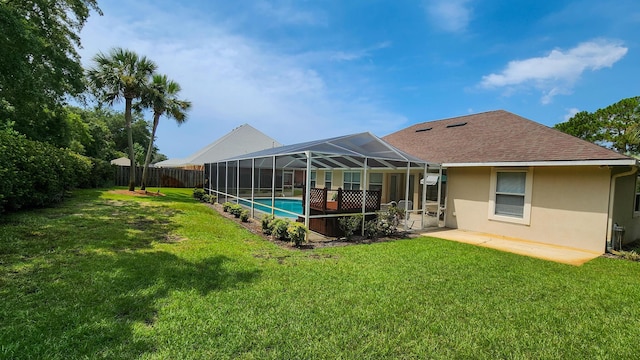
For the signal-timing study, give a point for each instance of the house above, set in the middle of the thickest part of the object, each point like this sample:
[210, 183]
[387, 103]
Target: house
[242, 140]
[121, 161]
[513, 177]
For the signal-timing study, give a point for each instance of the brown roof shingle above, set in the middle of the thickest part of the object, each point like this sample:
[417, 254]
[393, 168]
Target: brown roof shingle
[494, 136]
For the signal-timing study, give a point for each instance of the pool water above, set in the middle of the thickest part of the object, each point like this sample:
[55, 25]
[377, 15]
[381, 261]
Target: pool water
[292, 205]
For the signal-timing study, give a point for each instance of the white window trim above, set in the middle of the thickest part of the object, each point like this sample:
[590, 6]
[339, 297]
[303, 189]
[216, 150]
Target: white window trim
[526, 216]
[313, 179]
[351, 182]
[330, 180]
[381, 183]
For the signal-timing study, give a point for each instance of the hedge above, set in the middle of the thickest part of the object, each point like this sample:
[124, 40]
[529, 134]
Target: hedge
[35, 174]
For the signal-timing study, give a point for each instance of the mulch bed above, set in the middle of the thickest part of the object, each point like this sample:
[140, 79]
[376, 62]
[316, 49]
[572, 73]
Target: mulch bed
[254, 226]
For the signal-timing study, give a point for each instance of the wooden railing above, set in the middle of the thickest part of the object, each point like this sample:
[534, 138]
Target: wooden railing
[346, 200]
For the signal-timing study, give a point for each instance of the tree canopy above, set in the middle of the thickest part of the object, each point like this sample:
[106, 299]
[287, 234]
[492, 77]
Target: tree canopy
[40, 64]
[100, 133]
[616, 126]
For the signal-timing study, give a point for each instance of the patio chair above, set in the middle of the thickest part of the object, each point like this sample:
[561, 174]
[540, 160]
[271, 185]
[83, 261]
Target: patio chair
[385, 207]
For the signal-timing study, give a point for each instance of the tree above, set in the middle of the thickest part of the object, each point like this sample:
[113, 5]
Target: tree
[617, 126]
[100, 133]
[40, 65]
[121, 74]
[162, 98]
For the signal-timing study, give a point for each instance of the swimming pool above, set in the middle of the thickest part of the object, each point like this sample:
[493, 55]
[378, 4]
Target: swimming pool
[262, 204]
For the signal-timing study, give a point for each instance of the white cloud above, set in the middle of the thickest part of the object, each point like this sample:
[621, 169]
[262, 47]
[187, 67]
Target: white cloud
[557, 72]
[570, 113]
[449, 15]
[232, 79]
[358, 54]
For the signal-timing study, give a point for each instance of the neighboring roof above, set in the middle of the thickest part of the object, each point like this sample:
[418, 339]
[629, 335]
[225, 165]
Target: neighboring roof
[241, 140]
[497, 137]
[121, 161]
[339, 152]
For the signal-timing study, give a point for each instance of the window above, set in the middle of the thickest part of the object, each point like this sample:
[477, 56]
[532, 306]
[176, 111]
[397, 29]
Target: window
[327, 179]
[375, 182]
[511, 195]
[313, 179]
[351, 181]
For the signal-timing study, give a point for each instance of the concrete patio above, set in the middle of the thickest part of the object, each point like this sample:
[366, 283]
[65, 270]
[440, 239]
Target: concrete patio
[517, 246]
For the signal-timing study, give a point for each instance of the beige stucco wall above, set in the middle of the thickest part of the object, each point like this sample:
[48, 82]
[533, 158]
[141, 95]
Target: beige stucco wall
[569, 205]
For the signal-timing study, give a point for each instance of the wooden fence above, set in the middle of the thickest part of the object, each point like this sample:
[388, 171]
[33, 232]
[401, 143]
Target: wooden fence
[162, 177]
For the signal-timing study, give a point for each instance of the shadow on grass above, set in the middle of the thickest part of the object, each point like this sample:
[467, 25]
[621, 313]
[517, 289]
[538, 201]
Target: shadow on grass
[86, 223]
[101, 305]
[83, 280]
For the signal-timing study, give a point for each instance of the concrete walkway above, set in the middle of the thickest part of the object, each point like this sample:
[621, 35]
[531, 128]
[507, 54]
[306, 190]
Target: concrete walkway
[559, 254]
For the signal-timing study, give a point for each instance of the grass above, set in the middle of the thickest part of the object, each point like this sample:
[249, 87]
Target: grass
[118, 277]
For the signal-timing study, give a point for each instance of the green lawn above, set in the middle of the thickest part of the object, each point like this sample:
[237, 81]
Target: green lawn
[109, 276]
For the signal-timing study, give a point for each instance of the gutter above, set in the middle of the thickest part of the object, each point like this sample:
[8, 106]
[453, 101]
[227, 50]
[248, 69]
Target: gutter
[612, 192]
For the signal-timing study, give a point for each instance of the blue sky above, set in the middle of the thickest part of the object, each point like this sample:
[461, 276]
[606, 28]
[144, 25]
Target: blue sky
[306, 70]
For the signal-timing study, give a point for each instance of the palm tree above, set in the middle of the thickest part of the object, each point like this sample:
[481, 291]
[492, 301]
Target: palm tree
[121, 74]
[162, 97]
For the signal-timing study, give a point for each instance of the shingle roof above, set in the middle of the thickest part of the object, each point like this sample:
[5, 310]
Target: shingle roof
[495, 136]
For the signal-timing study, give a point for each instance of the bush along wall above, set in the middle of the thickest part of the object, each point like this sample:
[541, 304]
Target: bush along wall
[35, 174]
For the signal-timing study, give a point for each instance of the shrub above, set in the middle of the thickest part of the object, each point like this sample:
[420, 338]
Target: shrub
[235, 209]
[371, 229]
[212, 199]
[244, 215]
[385, 224]
[297, 232]
[226, 206]
[36, 174]
[349, 225]
[280, 227]
[267, 224]
[198, 194]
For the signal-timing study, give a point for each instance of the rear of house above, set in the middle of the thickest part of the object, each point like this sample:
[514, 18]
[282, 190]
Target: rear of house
[513, 177]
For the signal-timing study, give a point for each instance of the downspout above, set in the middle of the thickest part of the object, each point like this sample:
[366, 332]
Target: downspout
[612, 193]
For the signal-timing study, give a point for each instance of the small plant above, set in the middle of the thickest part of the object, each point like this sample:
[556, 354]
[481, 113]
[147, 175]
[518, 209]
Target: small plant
[226, 206]
[371, 230]
[627, 255]
[244, 215]
[235, 209]
[349, 225]
[280, 229]
[198, 194]
[267, 224]
[212, 199]
[297, 233]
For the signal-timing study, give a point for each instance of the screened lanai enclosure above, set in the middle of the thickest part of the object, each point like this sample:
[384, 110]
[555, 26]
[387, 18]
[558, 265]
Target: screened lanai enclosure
[318, 182]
